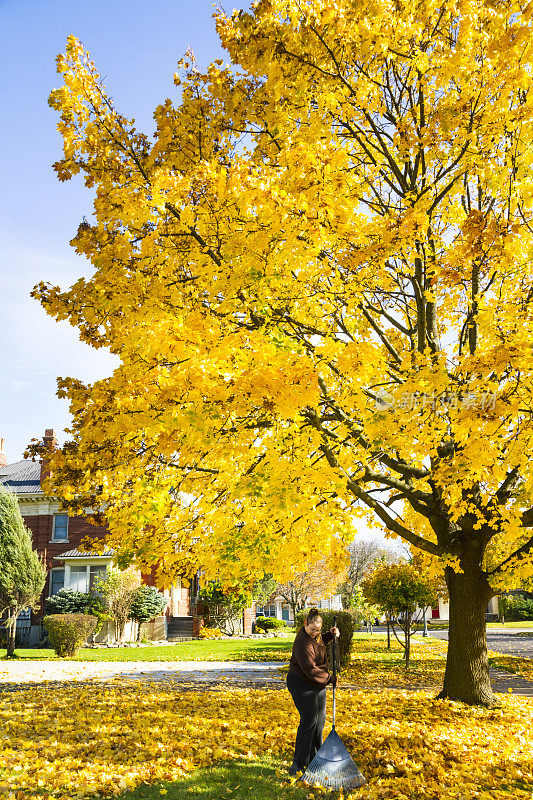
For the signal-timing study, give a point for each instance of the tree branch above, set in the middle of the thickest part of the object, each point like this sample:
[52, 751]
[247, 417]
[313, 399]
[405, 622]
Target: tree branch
[522, 551]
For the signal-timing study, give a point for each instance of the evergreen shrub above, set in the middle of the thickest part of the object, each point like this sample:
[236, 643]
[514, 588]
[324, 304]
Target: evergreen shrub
[147, 604]
[67, 601]
[68, 631]
[518, 608]
[346, 625]
[269, 623]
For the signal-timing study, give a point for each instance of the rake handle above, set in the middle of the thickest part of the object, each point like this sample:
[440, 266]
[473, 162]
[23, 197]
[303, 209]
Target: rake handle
[334, 668]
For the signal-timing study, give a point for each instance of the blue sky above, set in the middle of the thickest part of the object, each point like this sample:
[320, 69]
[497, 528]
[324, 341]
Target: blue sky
[136, 46]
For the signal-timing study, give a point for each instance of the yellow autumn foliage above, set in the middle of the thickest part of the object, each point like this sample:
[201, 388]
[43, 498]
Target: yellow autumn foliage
[334, 305]
[317, 278]
[78, 741]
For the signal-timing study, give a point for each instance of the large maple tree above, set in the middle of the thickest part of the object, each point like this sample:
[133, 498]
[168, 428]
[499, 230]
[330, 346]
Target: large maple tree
[317, 277]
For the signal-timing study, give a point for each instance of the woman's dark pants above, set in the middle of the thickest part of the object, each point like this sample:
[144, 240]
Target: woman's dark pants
[311, 705]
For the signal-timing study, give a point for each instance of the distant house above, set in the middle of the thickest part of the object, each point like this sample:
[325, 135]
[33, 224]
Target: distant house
[57, 537]
[278, 608]
[442, 610]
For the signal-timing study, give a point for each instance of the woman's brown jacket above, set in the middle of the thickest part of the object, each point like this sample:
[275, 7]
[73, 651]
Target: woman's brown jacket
[309, 658]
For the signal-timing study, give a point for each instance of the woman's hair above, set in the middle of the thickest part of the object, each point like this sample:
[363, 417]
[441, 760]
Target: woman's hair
[313, 616]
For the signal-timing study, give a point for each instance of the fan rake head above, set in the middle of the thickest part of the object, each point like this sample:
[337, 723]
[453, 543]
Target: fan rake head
[333, 766]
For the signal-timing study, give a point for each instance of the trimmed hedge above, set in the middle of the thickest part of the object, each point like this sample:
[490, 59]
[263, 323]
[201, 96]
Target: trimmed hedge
[346, 625]
[68, 631]
[269, 623]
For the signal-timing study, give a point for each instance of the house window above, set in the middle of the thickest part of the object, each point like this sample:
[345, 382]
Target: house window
[60, 529]
[285, 613]
[57, 580]
[78, 579]
[96, 572]
[266, 611]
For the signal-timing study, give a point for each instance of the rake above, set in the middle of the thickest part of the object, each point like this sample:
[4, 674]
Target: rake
[333, 767]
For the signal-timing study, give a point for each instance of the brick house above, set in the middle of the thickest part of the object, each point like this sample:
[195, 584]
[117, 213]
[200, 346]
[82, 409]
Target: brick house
[57, 537]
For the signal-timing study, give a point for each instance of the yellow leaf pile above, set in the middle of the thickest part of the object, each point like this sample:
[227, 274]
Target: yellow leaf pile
[74, 742]
[374, 666]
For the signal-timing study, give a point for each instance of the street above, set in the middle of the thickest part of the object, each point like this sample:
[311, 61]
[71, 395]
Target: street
[511, 641]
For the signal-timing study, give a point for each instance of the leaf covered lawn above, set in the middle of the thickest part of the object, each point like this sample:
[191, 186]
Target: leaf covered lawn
[374, 666]
[78, 741]
[513, 664]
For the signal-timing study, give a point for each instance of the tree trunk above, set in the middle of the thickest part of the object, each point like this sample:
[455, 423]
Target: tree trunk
[11, 633]
[407, 637]
[295, 608]
[467, 667]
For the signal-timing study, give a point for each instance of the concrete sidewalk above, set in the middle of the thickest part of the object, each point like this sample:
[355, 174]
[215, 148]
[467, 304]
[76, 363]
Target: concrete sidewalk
[19, 674]
[24, 672]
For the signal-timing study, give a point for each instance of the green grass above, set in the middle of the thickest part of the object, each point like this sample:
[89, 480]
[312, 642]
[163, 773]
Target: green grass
[526, 624]
[198, 650]
[263, 779]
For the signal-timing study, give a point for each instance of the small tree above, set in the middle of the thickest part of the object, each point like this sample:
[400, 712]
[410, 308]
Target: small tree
[147, 603]
[225, 606]
[264, 589]
[399, 589]
[363, 557]
[320, 580]
[22, 575]
[117, 588]
[363, 611]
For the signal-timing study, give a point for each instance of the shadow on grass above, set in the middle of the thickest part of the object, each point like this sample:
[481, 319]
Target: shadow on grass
[267, 649]
[422, 673]
[30, 654]
[415, 664]
[513, 664]
[231, 780]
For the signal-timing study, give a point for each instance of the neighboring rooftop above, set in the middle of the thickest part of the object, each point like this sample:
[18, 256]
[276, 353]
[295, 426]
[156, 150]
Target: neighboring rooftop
[22, 477]
[76, 553]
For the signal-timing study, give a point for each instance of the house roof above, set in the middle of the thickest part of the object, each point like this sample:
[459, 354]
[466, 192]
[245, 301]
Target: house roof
[22, 477]
[108, 553]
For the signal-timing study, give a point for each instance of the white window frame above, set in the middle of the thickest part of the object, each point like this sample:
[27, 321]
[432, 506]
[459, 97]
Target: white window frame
[54, 537]
[102, 569]
[79, 569]
[86, 565]
[268, 606]
[55, 569]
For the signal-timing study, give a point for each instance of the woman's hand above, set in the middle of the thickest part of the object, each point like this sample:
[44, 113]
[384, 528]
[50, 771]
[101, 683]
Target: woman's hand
[335, 631]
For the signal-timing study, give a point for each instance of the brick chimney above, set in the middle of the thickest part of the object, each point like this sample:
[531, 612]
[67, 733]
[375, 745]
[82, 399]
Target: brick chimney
[50, 442]
[3, 457]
